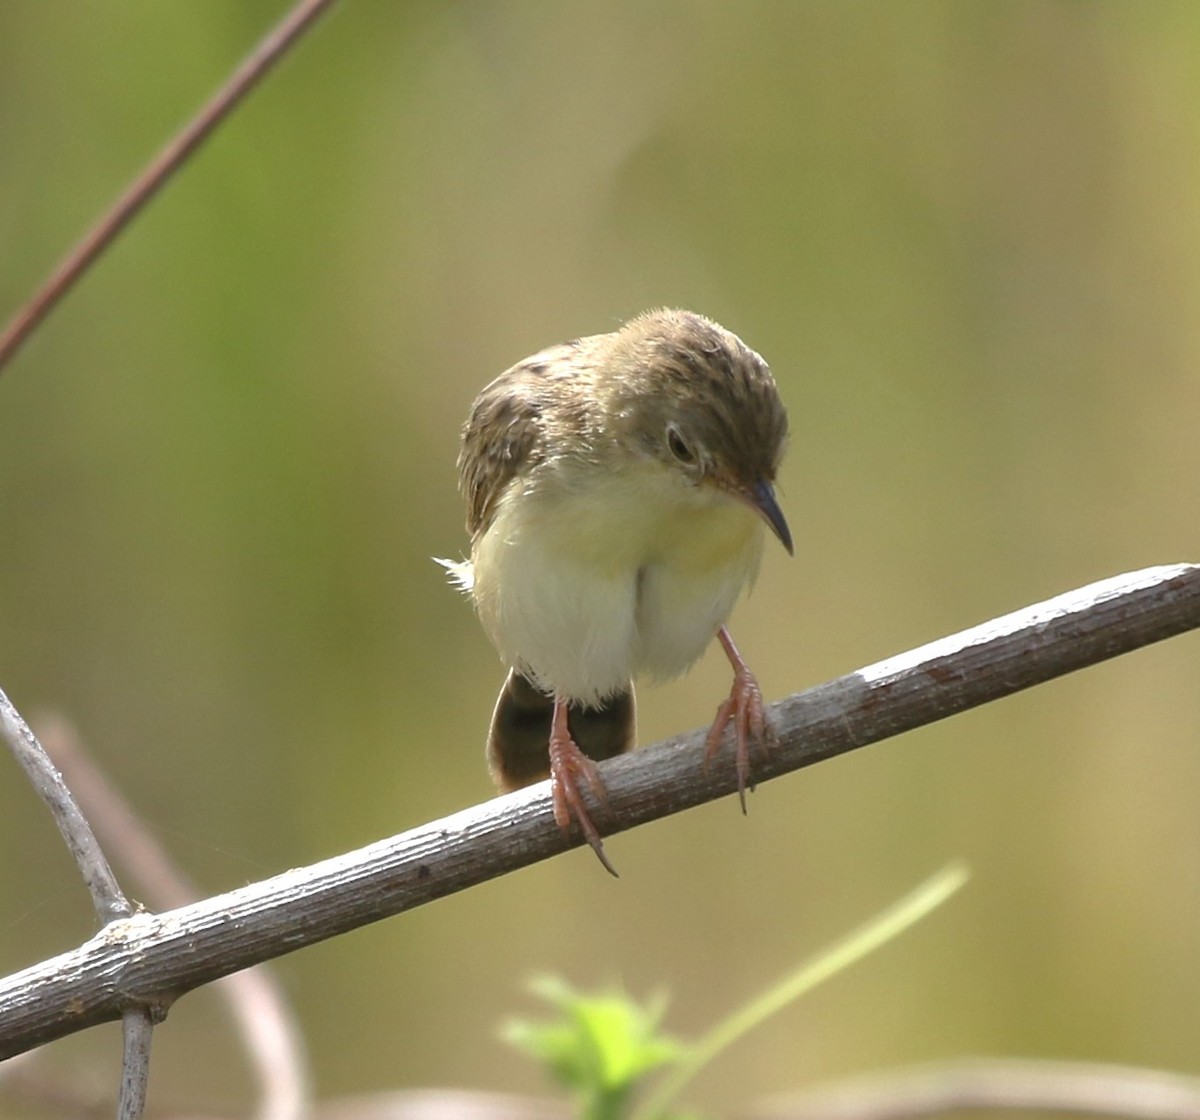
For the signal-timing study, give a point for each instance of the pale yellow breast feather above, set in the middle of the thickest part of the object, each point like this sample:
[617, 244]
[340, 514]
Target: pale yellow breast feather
[587, 584]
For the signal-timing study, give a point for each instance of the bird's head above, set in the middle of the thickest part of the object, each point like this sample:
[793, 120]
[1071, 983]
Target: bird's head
[693, 396]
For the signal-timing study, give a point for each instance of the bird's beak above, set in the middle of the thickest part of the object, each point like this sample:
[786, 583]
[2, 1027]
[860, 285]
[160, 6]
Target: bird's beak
[762, 497]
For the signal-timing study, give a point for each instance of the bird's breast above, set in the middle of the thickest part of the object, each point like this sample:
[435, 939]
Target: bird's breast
[689, 583]
[587, 583]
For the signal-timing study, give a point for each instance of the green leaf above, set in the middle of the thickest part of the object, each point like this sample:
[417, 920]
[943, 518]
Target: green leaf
[599, 1045]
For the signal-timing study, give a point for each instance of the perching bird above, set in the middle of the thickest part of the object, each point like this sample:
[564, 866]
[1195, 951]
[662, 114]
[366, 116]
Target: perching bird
[617, 487]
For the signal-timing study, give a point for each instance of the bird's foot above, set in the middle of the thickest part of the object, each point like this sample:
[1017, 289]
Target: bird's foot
[744, 710]
[568, 767]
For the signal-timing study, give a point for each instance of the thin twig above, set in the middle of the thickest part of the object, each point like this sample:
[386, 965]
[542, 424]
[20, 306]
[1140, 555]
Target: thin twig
[149, 958]
[107, 896]
[255, 1000]
[135, 1063]
[975, 1084]
[157, 172]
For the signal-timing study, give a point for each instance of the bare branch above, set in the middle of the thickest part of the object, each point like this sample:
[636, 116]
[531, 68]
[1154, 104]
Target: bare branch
[107, 897]
[255, 1000]
[150, 958]
[135, 1063]
[155, 175]
[994, 1083]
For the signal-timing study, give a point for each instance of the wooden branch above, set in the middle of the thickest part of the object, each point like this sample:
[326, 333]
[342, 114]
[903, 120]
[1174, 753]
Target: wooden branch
[270, 1034]
[149, 959]
[107, 897]
[155, 175]
[137, 1033]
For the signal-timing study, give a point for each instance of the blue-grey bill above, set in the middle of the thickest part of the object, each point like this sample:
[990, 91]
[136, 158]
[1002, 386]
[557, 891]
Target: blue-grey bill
[763, 497]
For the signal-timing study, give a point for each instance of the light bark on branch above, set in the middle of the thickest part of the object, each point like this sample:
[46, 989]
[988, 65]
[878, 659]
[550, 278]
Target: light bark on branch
[149, 959]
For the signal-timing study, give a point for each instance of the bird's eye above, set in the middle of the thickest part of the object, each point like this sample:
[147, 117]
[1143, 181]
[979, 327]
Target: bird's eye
[677, 446]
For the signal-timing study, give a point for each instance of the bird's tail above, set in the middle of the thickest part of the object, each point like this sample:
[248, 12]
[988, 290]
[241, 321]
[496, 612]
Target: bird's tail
[517, 748]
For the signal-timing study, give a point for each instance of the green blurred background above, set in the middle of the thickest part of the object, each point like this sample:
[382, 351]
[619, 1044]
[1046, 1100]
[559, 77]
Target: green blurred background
[966, 236]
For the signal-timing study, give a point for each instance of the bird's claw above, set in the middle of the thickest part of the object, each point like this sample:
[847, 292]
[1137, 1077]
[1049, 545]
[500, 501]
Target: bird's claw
[568, 764]
[744, 710]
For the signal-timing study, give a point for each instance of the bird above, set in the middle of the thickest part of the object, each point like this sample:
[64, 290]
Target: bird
[618, 488]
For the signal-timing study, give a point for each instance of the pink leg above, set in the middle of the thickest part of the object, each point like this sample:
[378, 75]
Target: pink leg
[567, 765]
[744, 709]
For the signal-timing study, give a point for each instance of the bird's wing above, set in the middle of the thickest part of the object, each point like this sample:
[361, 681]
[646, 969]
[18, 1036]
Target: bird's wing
[503, 434]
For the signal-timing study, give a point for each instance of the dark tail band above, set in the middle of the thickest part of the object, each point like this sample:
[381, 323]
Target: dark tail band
[517, 743]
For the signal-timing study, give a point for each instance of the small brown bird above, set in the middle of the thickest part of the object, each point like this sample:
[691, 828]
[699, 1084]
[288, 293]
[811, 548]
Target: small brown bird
[617, 487]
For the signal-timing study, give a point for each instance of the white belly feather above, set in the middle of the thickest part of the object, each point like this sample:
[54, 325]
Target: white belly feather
[587, 590]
